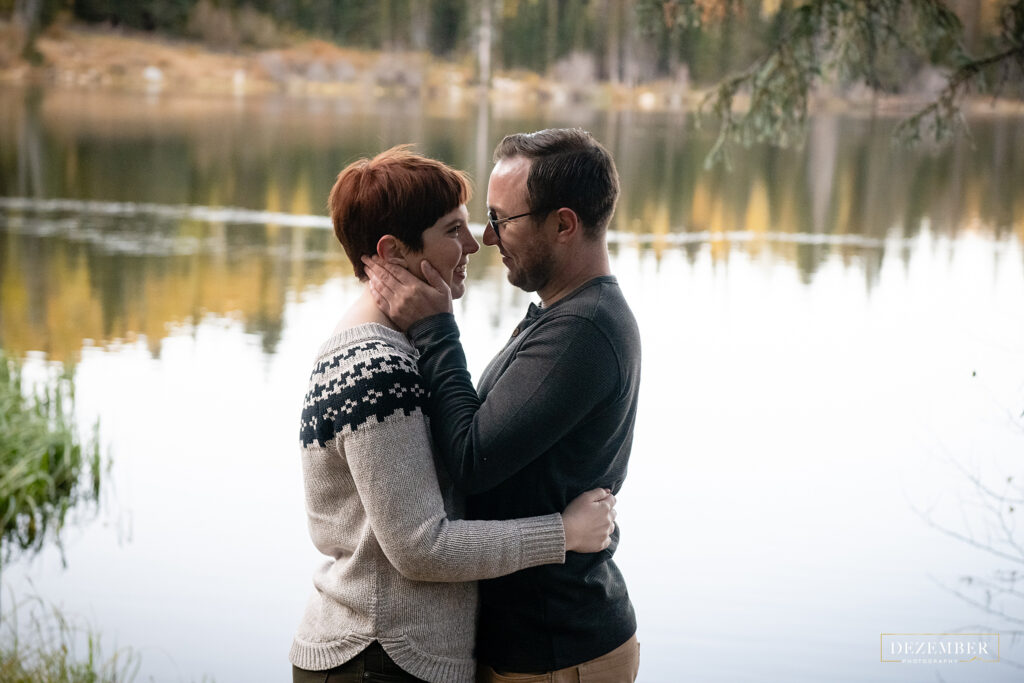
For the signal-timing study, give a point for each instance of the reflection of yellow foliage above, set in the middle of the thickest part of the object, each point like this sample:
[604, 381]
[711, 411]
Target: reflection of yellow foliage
[757, 219]
[273, 204]
[272, 197]
[719, 223]
[60, 304]
[844, 203]
[758, 215]
[656, 222]
[13, 300]
[770, 8]
[700, 212]
[95, 298]
[1018, 211]
[971, 210]
[302, 202]
[71, 313]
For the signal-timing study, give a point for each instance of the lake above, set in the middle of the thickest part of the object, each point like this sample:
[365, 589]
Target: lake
[833, 371]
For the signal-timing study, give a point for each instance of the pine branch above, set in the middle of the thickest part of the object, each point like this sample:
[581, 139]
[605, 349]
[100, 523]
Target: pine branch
[829, 38]
[942, 117]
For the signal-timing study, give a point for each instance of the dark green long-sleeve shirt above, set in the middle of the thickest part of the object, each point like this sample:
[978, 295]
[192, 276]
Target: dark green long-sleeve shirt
[552, 417]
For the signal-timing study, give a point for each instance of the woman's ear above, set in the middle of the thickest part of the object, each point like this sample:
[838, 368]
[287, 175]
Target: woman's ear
[391, 248]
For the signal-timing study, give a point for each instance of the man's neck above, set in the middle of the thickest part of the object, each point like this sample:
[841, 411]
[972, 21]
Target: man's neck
[580, 268]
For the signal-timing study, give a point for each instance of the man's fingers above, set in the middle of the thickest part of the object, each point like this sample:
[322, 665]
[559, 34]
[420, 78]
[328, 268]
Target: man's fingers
[378, 270]
[433, 277]
[378, 286]
[372, 270]
[391, 268]
[382, 303]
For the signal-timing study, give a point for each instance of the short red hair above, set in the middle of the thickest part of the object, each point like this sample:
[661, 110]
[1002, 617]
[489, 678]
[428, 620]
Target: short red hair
[397, 192]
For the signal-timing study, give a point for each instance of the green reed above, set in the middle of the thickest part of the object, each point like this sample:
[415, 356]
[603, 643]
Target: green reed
[46, 468]
[39, 644]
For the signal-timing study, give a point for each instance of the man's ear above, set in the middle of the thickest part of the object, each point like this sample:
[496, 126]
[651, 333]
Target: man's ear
[390, 247]
[569, 225]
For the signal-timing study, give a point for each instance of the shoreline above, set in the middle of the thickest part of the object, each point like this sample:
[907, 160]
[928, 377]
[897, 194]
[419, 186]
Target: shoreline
[82, 58]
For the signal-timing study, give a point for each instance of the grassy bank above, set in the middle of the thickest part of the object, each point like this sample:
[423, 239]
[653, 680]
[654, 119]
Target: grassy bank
[40, 644]
[46, 468]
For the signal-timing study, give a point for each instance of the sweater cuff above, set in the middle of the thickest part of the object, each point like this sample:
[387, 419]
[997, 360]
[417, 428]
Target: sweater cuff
[439, 323]
[543, 540]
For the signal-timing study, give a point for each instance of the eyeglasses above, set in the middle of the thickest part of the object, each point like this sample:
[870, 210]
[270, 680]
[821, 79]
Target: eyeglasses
[494, 221]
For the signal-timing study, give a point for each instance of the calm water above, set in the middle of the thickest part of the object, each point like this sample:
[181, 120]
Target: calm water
[833, 348]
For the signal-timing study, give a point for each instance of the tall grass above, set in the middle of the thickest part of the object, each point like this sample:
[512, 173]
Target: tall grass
[45, 466]
[39, 644]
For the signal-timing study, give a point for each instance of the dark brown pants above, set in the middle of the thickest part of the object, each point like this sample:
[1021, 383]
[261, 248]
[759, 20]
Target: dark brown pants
[372, 665]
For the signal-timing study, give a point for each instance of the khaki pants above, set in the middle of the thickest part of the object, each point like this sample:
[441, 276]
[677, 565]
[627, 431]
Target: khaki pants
[618, 666]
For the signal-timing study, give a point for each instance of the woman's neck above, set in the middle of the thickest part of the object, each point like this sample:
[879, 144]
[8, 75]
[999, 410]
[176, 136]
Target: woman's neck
[362, 311]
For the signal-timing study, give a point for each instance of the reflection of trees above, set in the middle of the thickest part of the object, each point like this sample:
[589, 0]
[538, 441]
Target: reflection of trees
[283, 154]
[56, 292]
[848, 182]
[30, 164]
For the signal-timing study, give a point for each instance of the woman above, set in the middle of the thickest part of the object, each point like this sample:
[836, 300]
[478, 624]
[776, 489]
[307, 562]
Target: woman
[396, 601]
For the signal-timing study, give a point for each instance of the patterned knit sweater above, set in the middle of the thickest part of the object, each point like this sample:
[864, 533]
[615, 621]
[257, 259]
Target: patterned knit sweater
[399, 569]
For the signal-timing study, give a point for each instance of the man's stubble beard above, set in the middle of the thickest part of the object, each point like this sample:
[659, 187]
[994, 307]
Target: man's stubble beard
[533, 274]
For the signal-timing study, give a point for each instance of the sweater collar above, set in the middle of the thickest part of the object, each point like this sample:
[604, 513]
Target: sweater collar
[366, 332]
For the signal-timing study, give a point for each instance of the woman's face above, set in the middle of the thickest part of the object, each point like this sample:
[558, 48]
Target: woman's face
[447, 244]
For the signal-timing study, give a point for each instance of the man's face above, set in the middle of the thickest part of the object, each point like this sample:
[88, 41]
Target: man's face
[522, 241]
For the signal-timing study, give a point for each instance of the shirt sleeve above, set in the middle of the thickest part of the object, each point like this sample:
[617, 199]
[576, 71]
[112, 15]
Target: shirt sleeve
[560, 373]
[392, 467]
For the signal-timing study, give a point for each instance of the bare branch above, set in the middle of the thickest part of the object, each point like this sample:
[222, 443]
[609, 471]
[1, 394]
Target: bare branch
[969, 540]
[987, 608]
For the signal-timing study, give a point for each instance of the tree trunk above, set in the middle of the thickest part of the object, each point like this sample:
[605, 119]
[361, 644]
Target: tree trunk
[419, 27]
[629, 47]
[551, 37]
[387, 26]
[613, 44]
[26, 12]
[483, 47]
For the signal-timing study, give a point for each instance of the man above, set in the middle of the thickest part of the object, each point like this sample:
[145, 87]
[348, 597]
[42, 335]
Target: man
[554, 411]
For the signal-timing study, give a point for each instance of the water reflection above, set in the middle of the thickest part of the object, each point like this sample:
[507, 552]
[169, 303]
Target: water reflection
[76, 272]
[281, 154]
[70, 278]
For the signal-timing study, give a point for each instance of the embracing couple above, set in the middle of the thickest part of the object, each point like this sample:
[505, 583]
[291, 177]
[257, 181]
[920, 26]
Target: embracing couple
[419, 484]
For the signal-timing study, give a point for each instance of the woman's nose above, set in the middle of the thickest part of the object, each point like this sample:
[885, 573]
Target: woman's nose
[469, 243]
[490, 236]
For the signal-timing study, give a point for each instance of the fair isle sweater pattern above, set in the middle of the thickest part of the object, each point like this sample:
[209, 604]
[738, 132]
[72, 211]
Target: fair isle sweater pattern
[399, 568]
[367, 380]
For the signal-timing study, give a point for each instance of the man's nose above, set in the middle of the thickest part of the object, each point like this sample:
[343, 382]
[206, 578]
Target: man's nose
[490, 237]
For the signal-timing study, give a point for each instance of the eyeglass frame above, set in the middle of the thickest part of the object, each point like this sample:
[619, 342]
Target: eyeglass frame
[495, 222]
